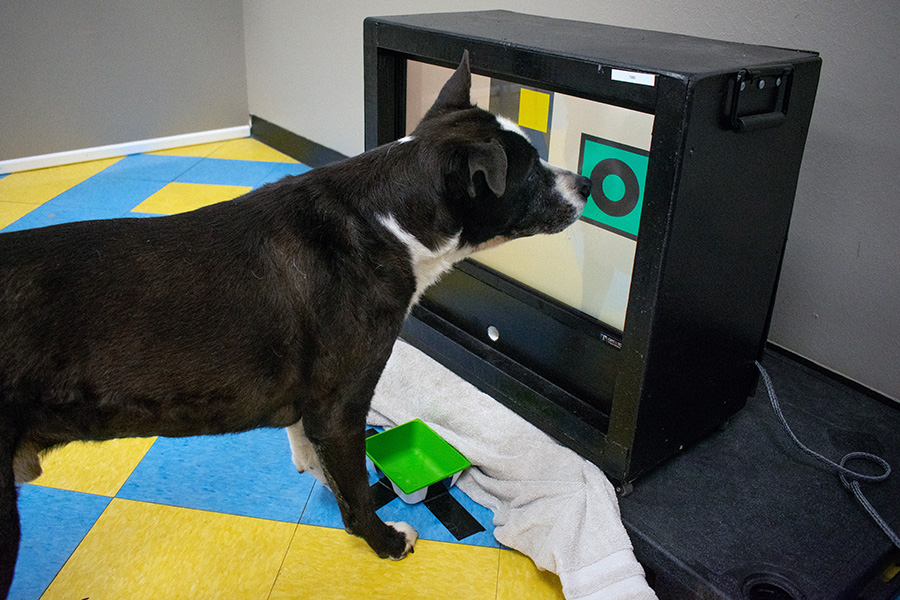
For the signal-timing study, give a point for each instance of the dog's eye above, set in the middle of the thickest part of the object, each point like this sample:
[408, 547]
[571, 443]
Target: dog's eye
[535, 172]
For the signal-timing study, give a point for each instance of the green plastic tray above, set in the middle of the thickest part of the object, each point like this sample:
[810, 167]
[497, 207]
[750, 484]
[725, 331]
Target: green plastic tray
[413, 456]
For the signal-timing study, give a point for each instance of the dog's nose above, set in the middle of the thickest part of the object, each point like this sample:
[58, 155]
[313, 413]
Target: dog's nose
[584, 186]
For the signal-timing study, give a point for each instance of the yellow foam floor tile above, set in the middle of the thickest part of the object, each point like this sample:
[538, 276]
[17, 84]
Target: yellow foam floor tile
[99, 468]
[141, 550]
[250, 149]
[10, 212]
[40, 185]
[195, 150]
[183, 197]
[520, 579]
[237, 149]
[329, 564]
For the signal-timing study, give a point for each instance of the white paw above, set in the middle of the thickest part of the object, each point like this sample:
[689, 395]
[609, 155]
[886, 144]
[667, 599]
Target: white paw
[411, 536]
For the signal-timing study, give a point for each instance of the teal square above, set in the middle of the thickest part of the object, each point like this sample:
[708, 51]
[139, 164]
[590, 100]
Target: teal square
[618, 173]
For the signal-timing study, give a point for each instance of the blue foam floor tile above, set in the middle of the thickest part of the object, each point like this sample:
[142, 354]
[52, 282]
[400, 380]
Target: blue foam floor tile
[151, 167]
[53, 524]
[140, 215]
[322, 508]
[248, 474]
[280, 170]
[221, 171]
[44, 218]
[100, 197]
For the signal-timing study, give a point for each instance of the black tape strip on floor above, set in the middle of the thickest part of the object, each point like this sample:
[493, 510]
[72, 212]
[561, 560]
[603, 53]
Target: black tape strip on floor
[440, 502]
[452, 515]
[382, 492]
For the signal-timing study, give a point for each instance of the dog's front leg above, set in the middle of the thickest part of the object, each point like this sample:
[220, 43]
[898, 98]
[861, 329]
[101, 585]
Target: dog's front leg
[340, 443]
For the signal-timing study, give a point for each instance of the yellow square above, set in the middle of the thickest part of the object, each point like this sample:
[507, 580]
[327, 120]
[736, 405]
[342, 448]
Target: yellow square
[184, 197]
[142, 550]
[329, 564]
[99, 468]
[520, 579]
[534, 109]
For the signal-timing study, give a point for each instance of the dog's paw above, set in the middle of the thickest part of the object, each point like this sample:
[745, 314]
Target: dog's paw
[409, 533]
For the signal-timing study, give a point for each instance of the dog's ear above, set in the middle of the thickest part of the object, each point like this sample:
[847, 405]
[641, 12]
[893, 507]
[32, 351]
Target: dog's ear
[489, 159]
[455, 93]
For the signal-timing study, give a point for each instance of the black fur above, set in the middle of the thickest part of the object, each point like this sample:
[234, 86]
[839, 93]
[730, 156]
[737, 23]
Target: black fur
[280, 305]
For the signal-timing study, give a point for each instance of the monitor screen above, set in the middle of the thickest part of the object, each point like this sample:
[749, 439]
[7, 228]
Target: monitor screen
[588, 266]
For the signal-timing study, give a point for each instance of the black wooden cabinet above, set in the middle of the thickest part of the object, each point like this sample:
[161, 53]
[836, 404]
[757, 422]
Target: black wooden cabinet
[647, 360]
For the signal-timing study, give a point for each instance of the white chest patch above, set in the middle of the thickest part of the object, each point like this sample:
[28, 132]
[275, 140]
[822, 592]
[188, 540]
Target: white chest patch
[428, 265]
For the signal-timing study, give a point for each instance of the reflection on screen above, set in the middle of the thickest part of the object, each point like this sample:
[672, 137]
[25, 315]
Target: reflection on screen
[589, 265]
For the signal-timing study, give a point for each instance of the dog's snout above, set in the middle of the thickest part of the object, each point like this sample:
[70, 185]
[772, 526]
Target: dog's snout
[584, 186]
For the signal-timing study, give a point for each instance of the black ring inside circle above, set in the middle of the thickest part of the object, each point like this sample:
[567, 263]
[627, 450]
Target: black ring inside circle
[615, 208]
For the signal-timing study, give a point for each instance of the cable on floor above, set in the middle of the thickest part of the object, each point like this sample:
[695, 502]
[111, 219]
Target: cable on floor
[849, 477]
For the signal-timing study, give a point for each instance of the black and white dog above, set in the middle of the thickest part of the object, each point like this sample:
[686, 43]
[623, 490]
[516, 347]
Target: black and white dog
[277, 309]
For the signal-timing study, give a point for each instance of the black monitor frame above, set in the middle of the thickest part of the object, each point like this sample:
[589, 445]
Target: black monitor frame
[717, 207]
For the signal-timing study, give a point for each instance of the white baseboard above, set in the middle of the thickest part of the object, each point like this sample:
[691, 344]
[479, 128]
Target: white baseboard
[164, 143]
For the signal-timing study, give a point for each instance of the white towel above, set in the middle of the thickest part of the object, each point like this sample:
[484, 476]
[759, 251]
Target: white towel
[548, 502]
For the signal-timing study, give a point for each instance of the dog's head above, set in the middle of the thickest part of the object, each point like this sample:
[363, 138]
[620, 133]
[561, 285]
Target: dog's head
[497, 185]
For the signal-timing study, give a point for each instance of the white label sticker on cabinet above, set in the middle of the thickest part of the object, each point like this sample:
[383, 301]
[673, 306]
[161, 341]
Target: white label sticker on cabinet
[633, 77]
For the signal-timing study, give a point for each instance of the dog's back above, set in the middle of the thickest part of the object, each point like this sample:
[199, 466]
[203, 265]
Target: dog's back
[209, 322]
[140, 327]
[278, 306]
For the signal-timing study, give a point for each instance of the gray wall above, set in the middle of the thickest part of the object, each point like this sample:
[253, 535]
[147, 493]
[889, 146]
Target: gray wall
[839, 299]
[84, 73]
